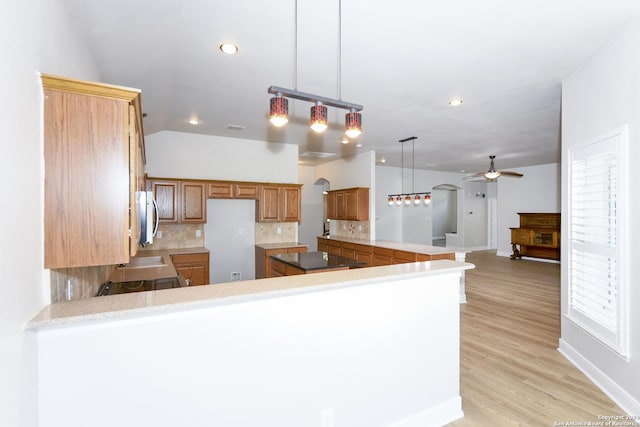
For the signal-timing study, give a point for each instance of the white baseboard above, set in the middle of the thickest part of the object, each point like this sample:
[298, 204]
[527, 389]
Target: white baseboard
[508, 254]
[619, 395]
[436, 416]
[500, 253]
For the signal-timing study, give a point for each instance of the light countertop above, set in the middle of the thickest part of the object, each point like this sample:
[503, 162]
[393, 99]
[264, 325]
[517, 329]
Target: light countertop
[409, 247]
[115, 307]
[285, 245]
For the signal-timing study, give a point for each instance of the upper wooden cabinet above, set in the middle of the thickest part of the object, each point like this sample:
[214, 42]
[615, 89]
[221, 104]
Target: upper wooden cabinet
[94, 163]
[279, 203]
[180, 201]
[232, 190]
[350, 204]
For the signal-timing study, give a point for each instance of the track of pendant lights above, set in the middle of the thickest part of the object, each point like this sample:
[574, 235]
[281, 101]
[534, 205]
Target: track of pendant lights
[279, 110]
[413, 198]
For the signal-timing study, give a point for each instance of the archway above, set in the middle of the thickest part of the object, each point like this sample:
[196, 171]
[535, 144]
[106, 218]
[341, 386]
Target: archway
[446, 229]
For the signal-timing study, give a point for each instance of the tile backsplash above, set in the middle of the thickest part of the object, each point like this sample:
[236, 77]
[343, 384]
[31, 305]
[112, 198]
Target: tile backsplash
[353, 229]
[177, 236]
[276, 232]
[78, 282]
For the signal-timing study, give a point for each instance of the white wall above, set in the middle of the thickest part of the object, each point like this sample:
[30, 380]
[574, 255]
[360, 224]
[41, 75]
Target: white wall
[312, 208]
[537, 191]
[189, 155]
[355, 171]
[602, 96]
[272, 362]
[35, 36]
[409, 224]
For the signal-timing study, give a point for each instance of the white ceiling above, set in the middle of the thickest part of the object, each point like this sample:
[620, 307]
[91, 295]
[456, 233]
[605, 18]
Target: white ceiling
[402, 60]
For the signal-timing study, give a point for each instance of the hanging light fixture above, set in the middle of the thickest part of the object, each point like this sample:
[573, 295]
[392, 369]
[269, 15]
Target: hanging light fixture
[319, 117]
[408, 197]
[353, 119]
[279, 111]
[353, 124]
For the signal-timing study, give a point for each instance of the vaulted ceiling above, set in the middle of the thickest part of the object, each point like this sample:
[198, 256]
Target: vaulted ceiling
[402, 60]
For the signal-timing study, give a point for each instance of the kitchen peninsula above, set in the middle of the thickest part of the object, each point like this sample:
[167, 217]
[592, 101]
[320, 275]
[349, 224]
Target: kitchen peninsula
[316, 339]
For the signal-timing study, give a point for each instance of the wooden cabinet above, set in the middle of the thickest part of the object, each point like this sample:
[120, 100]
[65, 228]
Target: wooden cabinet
[180, 201]
[93, 162]
[364, 253]
[232, 190]
[351, 204]
[538, 236]
[193, 267]
[279, 203]
[382, 256]
[323, 244]
[194, 202]
[263, 257]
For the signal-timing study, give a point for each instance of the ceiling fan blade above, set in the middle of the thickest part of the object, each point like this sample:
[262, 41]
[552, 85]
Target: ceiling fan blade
[512, 174]
[473, 175]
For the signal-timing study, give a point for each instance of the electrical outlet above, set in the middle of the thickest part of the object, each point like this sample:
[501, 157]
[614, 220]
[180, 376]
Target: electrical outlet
[235, 276]
[159, 234]
[278, 230]
[198, 232]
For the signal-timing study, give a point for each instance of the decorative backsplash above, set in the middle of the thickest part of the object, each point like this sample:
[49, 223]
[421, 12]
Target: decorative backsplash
[78, 282]
[353, 229]
[276, 232]
[177, 236]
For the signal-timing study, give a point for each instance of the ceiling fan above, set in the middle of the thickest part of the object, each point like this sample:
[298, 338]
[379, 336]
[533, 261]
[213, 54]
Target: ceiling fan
[493, 173]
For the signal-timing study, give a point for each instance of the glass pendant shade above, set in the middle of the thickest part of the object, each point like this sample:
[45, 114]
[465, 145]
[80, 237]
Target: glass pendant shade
[398, 201]
[416, 200]
[319, 117]
[390, 201]
[279, 112]
[427, 199]
[353, 122]
[407, 200]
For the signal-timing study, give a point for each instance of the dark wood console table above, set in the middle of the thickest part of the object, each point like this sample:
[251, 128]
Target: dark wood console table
[538, 236]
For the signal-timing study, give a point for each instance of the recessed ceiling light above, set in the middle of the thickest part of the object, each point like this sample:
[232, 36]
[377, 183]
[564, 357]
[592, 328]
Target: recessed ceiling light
[229, 48]
[358, 145]
[194, 121]
[383, 160]
[345, 140]
[454, 102]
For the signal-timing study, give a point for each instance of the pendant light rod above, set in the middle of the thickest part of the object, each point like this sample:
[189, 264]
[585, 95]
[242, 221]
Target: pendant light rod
[296, 94]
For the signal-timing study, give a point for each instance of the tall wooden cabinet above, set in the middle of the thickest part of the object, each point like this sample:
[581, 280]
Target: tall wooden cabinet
[94, 161]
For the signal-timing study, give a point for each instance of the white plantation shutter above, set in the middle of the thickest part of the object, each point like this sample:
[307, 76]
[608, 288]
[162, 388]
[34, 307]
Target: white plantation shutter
[596, 280]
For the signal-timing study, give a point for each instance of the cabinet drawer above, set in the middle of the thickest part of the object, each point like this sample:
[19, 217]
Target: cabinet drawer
[198, 258]
[246, 191]
[521, 237]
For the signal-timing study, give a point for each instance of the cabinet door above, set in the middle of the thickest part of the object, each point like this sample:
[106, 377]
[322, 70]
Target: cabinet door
[268, 205]
[290, 204]
[341, 207]
[194, 203]
[220, 190]
[194, 267]
[331, 205]
[86, 186]
[166, 195]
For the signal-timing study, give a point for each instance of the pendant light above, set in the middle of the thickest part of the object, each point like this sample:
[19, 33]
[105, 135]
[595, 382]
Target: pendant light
[319, 117]
[278, 114]
[279, 111]
[353, 122]
[407, 198]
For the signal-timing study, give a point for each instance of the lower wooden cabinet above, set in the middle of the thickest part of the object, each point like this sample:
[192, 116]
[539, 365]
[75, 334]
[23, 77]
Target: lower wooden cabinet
[193, 267]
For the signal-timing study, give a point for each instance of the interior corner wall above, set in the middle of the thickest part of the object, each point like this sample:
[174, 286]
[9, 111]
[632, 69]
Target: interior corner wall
[35, 37]
[603, 95]
[312, 208]
[189, 155]
[537, 191]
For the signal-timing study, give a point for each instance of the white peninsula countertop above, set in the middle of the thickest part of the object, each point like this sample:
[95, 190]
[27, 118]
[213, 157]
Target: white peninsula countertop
[142, 303]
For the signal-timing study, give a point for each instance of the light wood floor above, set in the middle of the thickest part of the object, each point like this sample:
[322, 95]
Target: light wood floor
[511, 370]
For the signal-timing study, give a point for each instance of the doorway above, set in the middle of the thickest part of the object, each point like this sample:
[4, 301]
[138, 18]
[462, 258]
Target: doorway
[444, 205]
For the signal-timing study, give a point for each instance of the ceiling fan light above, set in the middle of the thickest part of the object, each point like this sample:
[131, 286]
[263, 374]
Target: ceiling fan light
[279, 111]
[319, 117]
[353, 124]
[492, 174]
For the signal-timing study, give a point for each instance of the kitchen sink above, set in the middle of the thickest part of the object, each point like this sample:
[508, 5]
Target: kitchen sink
[144, 262]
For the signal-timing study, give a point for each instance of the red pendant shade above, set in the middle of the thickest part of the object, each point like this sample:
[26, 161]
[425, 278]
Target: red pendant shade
[279, 111]
[353, 122]
[318, 117]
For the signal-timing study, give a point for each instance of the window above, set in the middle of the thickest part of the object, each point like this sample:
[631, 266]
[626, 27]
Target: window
[596, 279]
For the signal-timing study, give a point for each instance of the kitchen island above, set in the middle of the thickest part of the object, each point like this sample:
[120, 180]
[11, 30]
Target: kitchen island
[290, 264]
[292, 349]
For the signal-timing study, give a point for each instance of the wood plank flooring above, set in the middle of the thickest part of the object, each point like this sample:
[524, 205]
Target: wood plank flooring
[511, 371]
